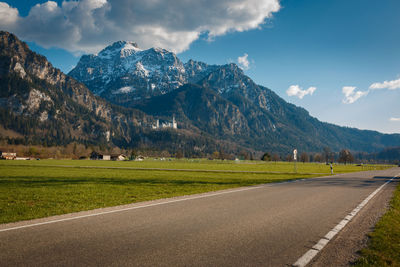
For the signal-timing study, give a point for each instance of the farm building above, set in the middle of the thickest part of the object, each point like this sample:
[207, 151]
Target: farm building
[139, 158]
[98, 156]
[118, 157]
[7, 155]
[22, 158]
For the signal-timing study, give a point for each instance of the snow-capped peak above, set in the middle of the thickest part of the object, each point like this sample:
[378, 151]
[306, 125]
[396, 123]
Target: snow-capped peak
[123, 65]
[120, 48]
[129, 48]
[159, 50]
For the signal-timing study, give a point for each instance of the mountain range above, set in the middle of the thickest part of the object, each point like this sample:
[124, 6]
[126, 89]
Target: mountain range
[117, 96]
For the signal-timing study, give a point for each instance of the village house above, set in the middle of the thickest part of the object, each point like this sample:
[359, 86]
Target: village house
[8, 155]
[139, 158]
[118, 157]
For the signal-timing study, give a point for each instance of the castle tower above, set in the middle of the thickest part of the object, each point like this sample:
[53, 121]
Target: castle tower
[174, 124]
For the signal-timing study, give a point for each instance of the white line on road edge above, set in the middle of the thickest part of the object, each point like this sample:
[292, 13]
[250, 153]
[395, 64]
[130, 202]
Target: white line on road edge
[138, 207]
[310, 254]
[204, 195]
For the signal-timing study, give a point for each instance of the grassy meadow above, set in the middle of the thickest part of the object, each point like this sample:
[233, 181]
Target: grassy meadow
[35, 189]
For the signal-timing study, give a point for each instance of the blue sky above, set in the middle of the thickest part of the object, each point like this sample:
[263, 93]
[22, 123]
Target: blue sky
[339, 48]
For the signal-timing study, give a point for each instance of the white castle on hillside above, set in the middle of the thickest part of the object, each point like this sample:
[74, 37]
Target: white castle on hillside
[163, 125]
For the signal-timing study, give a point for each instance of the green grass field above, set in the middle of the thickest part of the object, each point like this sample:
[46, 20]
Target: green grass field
[384, 246]
[34, 189]
[204, 164]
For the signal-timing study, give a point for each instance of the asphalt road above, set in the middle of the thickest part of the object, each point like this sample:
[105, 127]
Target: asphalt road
[270, 225]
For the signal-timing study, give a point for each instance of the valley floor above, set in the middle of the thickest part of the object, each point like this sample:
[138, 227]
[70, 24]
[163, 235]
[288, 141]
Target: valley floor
[36, 189]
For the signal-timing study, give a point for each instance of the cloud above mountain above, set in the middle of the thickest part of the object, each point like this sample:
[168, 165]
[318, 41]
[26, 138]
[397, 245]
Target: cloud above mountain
[391, 85]
[89, 25]
[351, 95]
[295, 90]
[244, 62]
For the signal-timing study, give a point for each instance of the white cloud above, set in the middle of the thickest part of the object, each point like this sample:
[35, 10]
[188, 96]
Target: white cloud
[351, 95]
[89, 25]
[295, 90]
[8, 16]
[394, 119]
[391, 85]
[244, 62]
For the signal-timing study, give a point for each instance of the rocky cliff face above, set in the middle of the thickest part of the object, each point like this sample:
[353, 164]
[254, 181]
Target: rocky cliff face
[19, 60]
[35, 93]
[229, 81]
[196, 70]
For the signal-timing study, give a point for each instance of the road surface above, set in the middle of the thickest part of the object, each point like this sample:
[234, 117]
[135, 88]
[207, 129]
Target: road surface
[268, 225]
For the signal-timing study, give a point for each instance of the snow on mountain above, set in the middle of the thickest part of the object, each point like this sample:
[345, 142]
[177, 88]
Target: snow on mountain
[196, 70]
[125, 74]
[123, 64]
[124, 90]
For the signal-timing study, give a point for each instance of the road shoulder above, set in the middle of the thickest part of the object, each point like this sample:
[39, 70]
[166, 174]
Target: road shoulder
[343, 250]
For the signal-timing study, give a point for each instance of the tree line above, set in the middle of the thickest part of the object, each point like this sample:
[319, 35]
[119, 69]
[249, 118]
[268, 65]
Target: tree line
[326, 155]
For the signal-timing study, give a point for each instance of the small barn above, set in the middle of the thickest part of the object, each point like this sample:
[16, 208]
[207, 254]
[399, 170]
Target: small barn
[118, 157]
[98, 156]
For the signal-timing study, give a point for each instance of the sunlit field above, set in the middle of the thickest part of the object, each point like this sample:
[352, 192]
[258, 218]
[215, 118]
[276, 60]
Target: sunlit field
[35, 189]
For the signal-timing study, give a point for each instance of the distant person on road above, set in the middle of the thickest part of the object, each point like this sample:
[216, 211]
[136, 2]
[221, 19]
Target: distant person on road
[331, 168]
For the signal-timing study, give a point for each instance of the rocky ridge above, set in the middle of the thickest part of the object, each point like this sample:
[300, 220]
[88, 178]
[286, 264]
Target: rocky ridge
[125, 74]
[44, 103]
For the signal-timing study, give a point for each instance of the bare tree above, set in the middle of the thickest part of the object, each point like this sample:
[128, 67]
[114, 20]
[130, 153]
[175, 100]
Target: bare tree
[215, 155]
[244, 155]
[318, 157]
[179, 154]
[275, 157]
[327, 154]
[266, 157]
[345, 156]
[304, 157]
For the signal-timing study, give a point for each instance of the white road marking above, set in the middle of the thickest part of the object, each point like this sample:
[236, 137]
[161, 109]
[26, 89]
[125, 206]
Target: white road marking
[310, 254]
[138, 207]
[204, 195]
